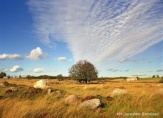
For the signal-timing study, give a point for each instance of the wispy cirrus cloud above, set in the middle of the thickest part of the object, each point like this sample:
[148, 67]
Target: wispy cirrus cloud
[123, 60]
[116, 70]
[99, 30]
[10, 56]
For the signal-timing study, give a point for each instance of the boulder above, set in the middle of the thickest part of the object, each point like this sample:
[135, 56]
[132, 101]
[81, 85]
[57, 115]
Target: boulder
[71, 99]
[91, 104]
[40, 84]
[117, 92]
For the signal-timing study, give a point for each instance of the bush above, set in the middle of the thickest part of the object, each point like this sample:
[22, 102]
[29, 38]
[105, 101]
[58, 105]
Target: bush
[161, 80]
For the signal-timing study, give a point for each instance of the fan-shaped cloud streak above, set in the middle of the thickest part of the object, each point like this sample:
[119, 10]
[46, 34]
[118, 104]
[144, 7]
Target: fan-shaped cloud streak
[99, 30]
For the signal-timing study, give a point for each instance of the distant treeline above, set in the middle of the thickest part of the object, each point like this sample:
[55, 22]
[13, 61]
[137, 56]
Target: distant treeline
[111, 78]
[45, 77]
[68, 78]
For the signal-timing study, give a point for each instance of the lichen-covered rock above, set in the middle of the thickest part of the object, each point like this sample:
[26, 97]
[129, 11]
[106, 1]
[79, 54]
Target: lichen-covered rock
[71, 99]
[159, 91]
[4, 83]
[40, 84]
[14, 89]
[91, 104]
[117, 92]
[33, 91]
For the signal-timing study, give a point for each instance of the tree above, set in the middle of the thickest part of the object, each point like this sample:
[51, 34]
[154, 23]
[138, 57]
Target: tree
[20, 76]
[28, 77]
[46, 77]
[8, 77]
[60, 77]
[2, 74]
[83, 71]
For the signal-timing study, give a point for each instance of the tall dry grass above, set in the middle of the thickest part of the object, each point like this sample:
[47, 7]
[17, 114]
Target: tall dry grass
[141, 97]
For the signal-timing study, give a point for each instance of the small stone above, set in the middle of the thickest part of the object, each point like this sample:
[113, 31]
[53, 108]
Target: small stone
[49, 91]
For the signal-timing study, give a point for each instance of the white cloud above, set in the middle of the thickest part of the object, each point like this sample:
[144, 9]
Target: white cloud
[70, 60]
[61, 58]
[16, 69]
[3, 70]
[38, 70]
[37, 54]
[10, 56]
[99, 30]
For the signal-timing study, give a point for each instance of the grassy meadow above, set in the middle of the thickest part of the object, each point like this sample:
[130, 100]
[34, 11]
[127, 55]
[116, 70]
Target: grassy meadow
[142, 99]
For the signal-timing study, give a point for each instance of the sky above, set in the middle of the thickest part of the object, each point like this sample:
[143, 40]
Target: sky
[121, 38]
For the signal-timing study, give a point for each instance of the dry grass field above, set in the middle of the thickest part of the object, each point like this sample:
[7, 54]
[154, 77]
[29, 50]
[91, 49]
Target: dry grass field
[144, 99]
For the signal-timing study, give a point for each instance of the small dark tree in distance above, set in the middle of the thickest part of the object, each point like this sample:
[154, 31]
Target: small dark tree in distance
[28, 77]
[60, 77]
[8, 77]
[83, 71]
[20, 76]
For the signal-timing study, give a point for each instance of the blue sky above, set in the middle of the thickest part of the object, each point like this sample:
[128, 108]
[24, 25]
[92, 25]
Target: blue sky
[121, 38]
